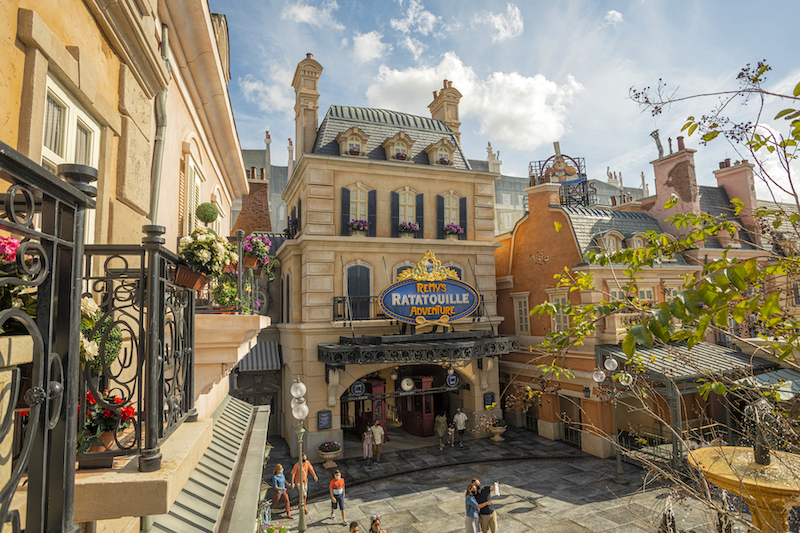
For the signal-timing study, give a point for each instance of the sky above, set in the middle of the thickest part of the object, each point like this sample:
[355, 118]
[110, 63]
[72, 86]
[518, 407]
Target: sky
[531, 72]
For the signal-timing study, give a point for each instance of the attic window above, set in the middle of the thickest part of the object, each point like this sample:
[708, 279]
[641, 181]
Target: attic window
[443, 156]
[352, 142]
[354, 145]
[611, 243]
[400, 151]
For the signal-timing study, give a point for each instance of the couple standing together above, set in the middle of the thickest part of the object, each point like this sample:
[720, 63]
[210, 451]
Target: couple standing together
[372, 442]
[459, 424]
[481, 516]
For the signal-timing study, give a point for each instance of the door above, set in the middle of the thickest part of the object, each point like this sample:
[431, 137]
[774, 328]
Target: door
[358, 292]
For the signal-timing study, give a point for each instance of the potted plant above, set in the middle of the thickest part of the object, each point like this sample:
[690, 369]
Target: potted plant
[105, 416]
[226, 293]
[292, 228]
[445, 161]
[207, 213]
[92, 337]
[256, 250]
[497, 426]
[453, 230]
[329, 451]
[401, 156]
[354, 150]
[207, 254]
[407, 229]
[359, 227]
[21, 297]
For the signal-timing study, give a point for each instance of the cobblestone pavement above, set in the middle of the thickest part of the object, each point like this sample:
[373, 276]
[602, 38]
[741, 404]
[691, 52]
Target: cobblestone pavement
[546, 486]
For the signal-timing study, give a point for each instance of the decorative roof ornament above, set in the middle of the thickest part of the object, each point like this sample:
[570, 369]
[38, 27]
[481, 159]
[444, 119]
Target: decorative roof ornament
[654, 135]
[428, 269]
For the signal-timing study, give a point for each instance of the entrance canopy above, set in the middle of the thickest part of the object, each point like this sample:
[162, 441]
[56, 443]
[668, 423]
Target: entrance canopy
[433, 348]
[263, 356]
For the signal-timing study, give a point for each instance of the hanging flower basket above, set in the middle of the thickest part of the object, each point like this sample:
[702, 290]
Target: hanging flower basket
[186, 277]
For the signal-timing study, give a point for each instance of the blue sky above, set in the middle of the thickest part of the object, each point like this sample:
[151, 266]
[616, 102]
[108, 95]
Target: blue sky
[531, 72]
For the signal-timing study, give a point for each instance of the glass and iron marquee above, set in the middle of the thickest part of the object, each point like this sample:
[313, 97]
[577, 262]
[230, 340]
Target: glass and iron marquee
[429, 294]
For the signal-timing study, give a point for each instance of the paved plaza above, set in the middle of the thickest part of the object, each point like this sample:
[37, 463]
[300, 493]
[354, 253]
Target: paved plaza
[546, 486]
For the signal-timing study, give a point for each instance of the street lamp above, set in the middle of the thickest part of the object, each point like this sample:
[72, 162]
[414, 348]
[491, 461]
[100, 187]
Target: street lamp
[300, 412]
[625, 379]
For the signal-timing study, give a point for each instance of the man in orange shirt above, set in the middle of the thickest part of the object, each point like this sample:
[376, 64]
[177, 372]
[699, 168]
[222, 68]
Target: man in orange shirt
[296, 478]
[336, 488]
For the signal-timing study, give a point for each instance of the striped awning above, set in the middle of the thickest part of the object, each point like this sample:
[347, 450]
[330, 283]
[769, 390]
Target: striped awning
[263, 356]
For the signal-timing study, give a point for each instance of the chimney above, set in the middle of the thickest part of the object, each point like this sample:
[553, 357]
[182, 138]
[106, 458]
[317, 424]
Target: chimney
[306, 104]
[738, 182]
[674, 174]
[291, 161]
[267, 157]
[494, 163]
[681, 146]
[445, 108]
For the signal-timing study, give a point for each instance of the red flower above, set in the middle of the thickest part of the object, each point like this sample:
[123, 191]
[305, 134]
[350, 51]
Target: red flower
[24, 413]
[108, 414]
[90, 398]
[105, 391]
[118, 400]
[127, 412]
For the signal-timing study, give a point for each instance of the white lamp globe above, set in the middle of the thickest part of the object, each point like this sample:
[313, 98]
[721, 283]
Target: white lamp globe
[625, 379]
[296, 401]
[610, 364]
[300, 411]
[599, 376]
[298, 389]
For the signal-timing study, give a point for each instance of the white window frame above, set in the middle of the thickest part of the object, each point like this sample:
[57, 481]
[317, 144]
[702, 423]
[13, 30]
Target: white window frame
[522, 318]
[559, 321]
[194, 179]
[451, 212]
[400, 148]
[506, 199]
[354, 142]
[642, 293]
[407, 205]
[618, 294]
[611, 244]
[74, 114]
[358, 203]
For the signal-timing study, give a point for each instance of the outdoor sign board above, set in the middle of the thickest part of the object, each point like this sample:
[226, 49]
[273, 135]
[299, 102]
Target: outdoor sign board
[324, 420]
[429, 294]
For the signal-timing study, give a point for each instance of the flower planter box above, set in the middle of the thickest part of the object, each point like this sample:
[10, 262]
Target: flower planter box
[452, 236]
[186, 277]
[329, 457]
[407, 235]
[496, 432]
[358, 233]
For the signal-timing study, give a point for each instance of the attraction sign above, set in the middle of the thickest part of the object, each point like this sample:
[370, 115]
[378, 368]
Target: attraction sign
[429, 294]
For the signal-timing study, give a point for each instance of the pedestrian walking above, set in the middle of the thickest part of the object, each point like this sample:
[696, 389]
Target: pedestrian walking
[336, 489]
[376, 525]
[472, 522]
[279, 489]
[366, 446]
[377, 440]
[307, 468]
[451, 433]
[353, 527]
[441, 428]
[461, 426]
[488, 516]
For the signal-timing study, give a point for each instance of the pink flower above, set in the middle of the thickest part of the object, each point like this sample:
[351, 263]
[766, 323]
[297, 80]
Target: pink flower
[8, 248]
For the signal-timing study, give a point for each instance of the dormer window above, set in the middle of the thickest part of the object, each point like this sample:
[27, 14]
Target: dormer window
[398, 148]
[441, 153]
[611, 241]
[636, 242]
[611, 244]
[353, 142]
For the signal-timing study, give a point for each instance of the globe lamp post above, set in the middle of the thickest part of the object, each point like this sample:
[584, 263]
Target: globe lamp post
[625, 379]
[300, 412]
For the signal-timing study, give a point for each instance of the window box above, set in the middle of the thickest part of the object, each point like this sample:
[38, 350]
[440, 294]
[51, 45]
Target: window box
[445, 161]
[400, 156]
[453, 230]
[359, 228]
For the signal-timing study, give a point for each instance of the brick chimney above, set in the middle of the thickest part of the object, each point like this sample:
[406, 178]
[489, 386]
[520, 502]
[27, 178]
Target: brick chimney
[445, 107]
[738, 182]
[306, 105]
[674, 174]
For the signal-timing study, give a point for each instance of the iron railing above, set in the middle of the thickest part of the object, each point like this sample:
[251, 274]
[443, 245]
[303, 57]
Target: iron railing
[572, 435]
[153, 369]
[39, 334]
[532, 422]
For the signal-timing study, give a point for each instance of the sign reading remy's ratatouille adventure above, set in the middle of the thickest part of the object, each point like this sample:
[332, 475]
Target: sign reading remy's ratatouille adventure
[429, 294]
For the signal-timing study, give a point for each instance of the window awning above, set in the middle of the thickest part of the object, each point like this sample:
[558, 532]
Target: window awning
[264, 356]
[787, 380]
[679, 364]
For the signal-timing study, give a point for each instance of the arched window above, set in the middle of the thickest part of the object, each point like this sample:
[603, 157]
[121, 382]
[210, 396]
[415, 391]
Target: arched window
[611, 244]
[400, 148]
[408, 200]
[358, 204]
[443, 155]
[450, 208]
[354, 144]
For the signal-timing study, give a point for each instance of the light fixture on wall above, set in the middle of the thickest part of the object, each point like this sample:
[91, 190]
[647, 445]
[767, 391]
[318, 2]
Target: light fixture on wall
[451, 371]
[587, 392]
[395, 374]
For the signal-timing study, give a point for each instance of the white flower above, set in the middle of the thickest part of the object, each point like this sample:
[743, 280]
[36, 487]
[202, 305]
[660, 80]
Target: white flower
[185, 241]
[90, 348]
[219, 247]
[234, 257]
[204, 256]
[17, 304]
[88, 306]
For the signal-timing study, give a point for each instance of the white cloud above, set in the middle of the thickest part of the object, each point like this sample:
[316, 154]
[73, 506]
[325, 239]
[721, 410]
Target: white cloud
[319, 17]
[516, 111]
[613, 18]
[368, 47]
[417, 19]
[504, 26]
[417, 48]
[273, 95]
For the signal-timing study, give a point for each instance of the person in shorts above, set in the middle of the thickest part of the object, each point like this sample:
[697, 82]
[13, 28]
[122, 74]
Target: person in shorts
[460, 420]
[377, 440]
[336, 489]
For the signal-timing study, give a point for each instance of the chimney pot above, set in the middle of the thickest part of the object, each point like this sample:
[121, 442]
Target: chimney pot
[290, 142]
[309, 56]
[444, 84]
[268, 137]
[449, 83]
[264, 174]
[681, 146]
[727, 162]
[435, 94]
[722, 164]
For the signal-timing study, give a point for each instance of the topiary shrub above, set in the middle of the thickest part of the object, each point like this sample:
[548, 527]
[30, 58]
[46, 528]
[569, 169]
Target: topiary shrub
[207, 213]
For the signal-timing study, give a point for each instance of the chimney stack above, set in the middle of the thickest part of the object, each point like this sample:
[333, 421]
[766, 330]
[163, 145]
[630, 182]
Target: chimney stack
[445, 107]
[268, 157]
[681, 146]
[738, 181]
[306, 105]
[291, 161]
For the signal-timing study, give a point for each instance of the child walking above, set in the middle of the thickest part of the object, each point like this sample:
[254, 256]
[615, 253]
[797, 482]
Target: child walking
[336, 489]
[451, 434]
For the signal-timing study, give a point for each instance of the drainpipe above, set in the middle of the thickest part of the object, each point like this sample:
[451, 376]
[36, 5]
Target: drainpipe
[161, 129]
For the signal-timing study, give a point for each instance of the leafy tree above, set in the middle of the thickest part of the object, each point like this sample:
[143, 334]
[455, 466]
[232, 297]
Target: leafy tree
[751, 291]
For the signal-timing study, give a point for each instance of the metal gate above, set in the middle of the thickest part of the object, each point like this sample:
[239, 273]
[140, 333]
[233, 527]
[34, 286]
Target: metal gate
[43, 218]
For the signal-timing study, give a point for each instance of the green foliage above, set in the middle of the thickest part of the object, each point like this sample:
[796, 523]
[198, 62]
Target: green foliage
[207, 213]
[113, 343]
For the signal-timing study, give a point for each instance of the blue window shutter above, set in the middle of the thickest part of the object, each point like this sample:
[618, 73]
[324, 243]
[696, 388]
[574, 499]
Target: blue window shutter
[345, 217]
[462, 217]
[395, 214]
[420, 210]
[439, 216]
[372, 197]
